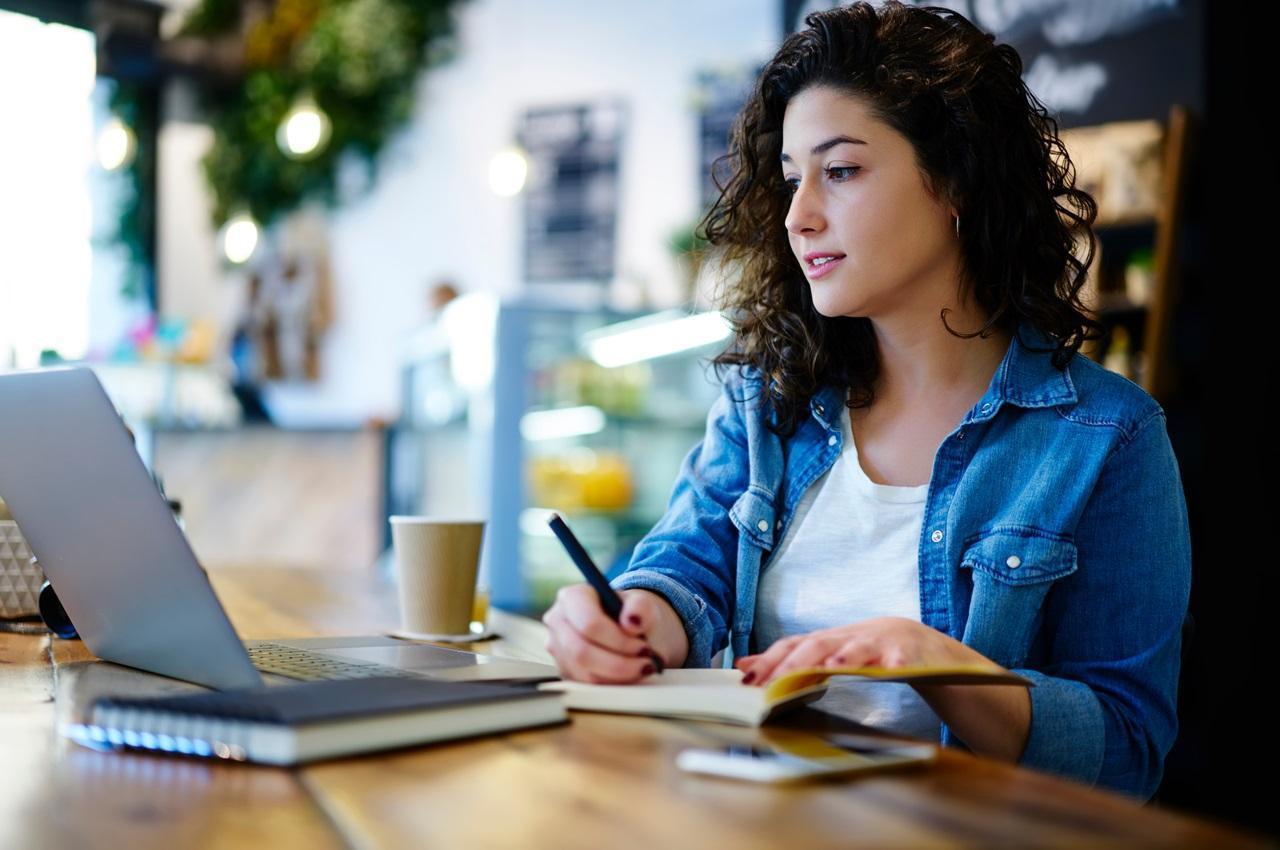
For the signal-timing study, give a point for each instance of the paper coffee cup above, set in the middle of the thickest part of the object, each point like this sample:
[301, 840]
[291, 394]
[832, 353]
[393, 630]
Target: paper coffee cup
[437, 560]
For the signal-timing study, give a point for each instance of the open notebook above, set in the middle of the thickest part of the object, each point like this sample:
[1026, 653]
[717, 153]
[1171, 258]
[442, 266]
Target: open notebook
[718, 694]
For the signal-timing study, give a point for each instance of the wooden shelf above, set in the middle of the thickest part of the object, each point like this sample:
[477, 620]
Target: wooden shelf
[1149, 324]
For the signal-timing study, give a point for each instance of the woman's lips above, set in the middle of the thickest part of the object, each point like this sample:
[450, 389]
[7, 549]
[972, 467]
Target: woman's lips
[815, 272]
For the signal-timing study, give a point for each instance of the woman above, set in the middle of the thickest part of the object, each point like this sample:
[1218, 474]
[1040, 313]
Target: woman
[911, 464]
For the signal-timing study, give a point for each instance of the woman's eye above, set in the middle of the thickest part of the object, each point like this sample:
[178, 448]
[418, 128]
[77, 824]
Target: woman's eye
[839, 173]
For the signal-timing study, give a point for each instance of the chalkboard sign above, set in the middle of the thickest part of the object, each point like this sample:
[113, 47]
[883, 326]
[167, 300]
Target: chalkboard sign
[1089, 61]
[720, 96]
[571, 200]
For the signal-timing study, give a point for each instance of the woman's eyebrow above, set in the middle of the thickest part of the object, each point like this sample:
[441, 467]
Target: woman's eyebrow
[828, 145]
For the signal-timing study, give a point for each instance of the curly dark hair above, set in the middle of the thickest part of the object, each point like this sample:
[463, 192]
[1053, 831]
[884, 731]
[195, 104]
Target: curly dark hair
[982, 141]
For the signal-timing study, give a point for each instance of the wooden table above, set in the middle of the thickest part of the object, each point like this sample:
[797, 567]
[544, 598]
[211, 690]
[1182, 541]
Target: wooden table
[600, 781]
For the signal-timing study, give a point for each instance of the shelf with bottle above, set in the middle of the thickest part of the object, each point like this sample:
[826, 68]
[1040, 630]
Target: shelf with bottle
[1136, 172]
[580, 382]
[650, 394]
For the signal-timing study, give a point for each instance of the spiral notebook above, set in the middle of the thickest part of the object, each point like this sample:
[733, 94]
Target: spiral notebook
[294, 724]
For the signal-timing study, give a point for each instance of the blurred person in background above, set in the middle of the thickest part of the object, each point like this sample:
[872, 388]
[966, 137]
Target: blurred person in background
[431, 392]
[247, 370]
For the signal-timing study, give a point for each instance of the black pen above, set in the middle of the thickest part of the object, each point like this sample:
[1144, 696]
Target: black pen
[610, 601]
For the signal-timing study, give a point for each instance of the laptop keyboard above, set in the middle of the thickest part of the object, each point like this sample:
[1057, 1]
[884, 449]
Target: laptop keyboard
[313, 666]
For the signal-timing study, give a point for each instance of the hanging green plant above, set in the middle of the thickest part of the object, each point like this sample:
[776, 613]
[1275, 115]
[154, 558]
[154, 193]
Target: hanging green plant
[134, 227]
[355, 61]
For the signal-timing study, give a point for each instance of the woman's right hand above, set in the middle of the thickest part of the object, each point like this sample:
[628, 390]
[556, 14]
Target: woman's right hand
[590, 647]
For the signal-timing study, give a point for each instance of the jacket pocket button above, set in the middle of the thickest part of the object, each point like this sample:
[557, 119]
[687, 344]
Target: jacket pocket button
[936, 536]
[1014, 561]
[763, 525]
[831, 441]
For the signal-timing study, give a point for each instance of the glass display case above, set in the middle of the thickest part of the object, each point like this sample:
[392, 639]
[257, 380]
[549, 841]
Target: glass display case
[514, 409]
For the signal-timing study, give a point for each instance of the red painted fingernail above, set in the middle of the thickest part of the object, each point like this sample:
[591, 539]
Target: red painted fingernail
[643, 653]
[635, 619]
[648, 668]
[749, 678]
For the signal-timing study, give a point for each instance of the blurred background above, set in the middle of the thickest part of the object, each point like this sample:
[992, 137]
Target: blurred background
[336, 260]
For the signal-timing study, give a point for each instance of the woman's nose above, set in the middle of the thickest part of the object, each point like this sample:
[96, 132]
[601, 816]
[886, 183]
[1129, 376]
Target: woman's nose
[804, 213]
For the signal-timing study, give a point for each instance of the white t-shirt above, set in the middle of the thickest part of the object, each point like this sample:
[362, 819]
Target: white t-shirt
[850, 554]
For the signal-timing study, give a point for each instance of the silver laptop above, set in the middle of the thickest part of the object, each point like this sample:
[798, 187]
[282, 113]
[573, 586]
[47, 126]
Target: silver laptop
[125, 573]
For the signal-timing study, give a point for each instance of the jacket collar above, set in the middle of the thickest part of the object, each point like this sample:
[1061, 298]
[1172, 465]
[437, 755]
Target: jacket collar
[1025, 378]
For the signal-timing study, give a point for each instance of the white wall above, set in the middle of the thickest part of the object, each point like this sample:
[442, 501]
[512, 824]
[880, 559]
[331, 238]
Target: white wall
[432, 215]
[190, 278]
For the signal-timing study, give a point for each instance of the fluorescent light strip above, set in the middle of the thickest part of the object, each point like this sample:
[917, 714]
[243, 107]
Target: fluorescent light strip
[630, 342]
[563, 422]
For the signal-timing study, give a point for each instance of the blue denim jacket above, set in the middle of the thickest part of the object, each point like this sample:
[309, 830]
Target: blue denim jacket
[1055, 542]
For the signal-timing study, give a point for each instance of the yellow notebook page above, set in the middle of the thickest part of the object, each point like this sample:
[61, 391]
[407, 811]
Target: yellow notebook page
[805, 677]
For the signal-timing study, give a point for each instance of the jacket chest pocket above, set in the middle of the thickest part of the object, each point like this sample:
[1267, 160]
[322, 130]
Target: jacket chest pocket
[1012, 569]
[753, 514]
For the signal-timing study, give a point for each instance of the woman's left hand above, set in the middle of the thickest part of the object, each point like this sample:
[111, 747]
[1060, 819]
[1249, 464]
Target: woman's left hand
[880, 642]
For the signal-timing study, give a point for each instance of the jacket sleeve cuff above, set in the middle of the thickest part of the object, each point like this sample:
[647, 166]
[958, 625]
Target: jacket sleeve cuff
[1067, 735]
[691, 608]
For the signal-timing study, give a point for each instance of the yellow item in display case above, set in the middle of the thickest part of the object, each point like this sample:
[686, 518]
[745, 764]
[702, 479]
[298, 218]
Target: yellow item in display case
[607, 485]
[584, 478]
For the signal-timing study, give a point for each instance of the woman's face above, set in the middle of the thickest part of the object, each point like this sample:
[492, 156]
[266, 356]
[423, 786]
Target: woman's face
[866, 203]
